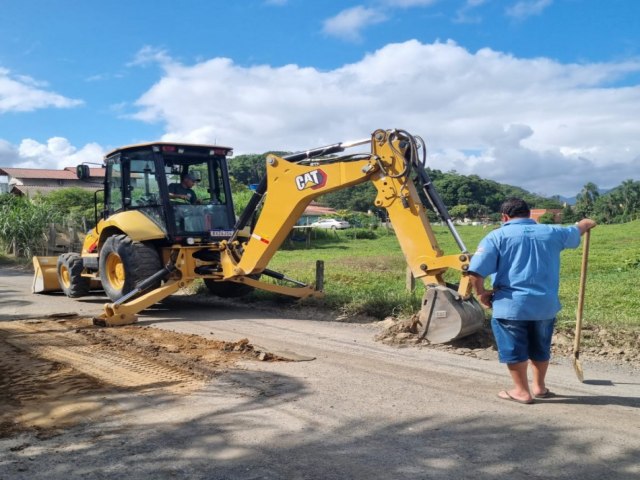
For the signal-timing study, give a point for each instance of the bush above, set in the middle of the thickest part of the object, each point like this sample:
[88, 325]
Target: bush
[361, 233]
[360, 220]
[23, 225]
[75, 206]
[547, 218]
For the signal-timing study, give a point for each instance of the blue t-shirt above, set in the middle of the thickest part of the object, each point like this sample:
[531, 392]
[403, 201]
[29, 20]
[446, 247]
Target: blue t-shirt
[523, 259]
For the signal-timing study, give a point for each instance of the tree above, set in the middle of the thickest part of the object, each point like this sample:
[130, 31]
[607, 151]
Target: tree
[569, 215]
[477, 210]
[248, 169]
[359, 198]
[73, 205]
[629, 195]
[459, 212]
[547, 218]
[586, 199]
[606, 209]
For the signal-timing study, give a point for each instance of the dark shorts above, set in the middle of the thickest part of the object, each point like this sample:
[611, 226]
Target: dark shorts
[522, 340]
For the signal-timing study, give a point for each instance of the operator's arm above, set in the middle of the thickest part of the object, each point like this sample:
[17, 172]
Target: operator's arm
[179, 196]
[586, 224]
[174, 190]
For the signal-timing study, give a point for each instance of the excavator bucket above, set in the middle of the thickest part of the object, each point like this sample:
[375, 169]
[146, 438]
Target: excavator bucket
[45, 277]
[446, 316]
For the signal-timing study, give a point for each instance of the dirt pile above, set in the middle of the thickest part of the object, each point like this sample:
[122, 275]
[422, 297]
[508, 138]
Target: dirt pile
[599, 344]
[404, 333]
[54, 374]
[621, 346]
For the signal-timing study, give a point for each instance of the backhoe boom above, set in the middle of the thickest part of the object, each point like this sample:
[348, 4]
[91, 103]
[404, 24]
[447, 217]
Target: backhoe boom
[393, 168]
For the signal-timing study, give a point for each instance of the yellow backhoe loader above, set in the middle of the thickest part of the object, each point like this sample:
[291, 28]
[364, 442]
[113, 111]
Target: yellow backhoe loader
[158, 233]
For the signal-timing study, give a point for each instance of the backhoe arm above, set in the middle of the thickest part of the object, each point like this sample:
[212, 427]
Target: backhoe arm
[394, 168]
[292, 186]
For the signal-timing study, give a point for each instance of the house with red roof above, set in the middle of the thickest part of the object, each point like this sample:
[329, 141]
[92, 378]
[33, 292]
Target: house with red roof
[30, 181]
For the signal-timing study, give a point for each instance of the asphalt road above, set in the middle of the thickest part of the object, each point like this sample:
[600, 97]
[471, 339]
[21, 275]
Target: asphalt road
[358, 410]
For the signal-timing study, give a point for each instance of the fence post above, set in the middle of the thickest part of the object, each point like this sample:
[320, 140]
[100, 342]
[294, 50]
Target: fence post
[73, 239]
[319, 275]
[51, 241]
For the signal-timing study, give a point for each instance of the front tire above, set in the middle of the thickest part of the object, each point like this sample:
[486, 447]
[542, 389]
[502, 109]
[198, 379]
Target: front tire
[69, 268]
[124, 263]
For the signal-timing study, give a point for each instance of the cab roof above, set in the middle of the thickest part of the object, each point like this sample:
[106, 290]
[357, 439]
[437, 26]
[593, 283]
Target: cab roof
[219, 149]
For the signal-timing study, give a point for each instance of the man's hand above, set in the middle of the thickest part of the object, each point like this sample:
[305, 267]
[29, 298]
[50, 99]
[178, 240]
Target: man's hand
[585, 224]
[486, 299]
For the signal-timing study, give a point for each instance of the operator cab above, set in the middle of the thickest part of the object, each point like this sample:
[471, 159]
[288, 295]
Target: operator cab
[183, 188]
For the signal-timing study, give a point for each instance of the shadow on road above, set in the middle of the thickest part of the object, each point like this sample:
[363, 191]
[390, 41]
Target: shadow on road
[8, 301]
[236, 442]
[632, 402]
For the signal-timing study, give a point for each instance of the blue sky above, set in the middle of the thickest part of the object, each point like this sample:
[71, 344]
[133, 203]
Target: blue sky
[542, 94]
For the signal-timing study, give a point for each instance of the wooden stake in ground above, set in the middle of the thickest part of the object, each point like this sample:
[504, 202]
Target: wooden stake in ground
[583, 280]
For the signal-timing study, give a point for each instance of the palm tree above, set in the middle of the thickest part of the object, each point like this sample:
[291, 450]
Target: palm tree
[586, 199]
[629, 192]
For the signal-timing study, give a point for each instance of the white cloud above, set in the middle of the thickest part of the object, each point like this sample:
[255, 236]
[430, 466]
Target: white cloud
[56, 153]
[409, 3]
[536, 123]
[19, 93]
[467, 12]
[527, 8]
[349, 23]
[150, 55]
[104, 77]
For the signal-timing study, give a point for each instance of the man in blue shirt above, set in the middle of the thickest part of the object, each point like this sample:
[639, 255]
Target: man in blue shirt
[523, 259]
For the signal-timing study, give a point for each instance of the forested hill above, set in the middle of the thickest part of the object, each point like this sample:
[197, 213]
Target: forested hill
[464, 195]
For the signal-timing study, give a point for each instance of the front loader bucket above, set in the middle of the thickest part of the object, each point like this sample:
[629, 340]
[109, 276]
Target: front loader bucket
[445, 315]
[45, 276]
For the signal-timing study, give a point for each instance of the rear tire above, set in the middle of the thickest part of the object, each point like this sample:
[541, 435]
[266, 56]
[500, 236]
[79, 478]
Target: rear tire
[124, 263]
[69, 268]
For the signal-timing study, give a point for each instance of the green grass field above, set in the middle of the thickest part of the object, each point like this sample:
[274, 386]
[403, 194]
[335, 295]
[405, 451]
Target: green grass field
[368, 276]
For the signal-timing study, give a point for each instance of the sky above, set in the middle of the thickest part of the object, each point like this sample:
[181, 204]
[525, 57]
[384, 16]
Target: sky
[540, 94]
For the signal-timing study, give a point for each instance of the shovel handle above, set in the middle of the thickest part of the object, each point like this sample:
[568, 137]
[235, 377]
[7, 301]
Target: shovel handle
[583, 282]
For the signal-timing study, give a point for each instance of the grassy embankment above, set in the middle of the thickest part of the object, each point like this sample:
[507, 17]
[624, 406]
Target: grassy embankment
[368, 276]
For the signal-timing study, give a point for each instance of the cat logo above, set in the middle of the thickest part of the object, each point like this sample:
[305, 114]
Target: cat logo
[314, 179]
